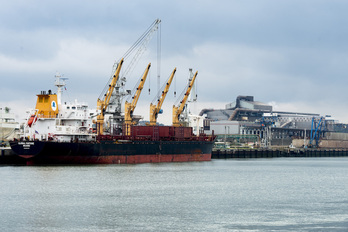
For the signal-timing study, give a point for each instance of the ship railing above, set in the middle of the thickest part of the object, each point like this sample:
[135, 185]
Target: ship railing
[201, 137]
[46, 116]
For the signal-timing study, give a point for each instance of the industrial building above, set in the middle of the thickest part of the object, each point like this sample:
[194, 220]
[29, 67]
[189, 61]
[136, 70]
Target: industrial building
[248, 122]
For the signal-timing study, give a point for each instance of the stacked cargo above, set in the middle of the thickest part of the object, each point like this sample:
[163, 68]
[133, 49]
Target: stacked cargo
[162, 132]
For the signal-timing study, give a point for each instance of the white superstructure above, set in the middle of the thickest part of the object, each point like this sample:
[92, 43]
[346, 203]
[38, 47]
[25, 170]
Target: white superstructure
[60, 121]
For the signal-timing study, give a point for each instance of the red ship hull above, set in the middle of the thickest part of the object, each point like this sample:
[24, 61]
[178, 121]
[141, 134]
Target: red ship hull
[120, 159]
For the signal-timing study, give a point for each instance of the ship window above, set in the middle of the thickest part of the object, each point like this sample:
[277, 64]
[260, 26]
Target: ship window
[73, 107]
[40, 99]
[68, 107]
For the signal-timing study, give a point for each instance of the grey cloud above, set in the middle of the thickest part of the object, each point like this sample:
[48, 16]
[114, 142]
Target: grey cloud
[283, 51]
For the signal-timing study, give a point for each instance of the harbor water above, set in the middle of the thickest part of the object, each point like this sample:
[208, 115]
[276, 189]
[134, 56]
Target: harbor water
[279, 194]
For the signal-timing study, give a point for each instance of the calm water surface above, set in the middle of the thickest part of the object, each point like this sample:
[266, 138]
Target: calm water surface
[280, 194]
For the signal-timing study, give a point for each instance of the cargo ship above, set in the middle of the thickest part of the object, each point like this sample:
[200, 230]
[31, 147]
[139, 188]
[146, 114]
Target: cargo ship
[64, 133]
[116, 150]
[69, 133]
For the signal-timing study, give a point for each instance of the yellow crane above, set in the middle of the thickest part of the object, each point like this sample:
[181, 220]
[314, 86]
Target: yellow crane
[129, 107]
[155, 109]
[177, 110]
[102, 104]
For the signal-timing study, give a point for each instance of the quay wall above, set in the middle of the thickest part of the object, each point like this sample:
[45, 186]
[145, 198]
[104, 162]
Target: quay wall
[268, 153]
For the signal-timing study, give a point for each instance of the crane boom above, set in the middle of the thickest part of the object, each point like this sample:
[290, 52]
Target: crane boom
[155, 109]
[141, 45]
[177, 110]
[102, 104]
[129, 107]
[132, 57]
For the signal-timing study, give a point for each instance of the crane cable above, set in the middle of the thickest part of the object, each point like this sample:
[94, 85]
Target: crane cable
[149, 81]
[181, 96]
[141, 38]
[158, 59]
[141, 42]
[159, 94]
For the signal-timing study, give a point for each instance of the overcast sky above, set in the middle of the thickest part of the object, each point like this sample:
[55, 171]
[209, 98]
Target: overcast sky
[291, 54]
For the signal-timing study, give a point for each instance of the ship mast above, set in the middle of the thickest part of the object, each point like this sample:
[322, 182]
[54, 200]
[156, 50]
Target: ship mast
[60, 82]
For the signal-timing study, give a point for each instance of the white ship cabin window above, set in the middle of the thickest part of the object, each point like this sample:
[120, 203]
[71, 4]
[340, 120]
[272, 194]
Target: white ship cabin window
[73, 107]
[68, 107]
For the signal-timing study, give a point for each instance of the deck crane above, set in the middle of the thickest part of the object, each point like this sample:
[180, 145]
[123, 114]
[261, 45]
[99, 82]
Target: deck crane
[129, 107]
[102, 104]
[177, 110]
[109, 102]
[156, 109]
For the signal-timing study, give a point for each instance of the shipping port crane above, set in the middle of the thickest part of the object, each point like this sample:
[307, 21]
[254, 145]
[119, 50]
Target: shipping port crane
[103, 103]
[156, 109]
[318, 124]
[129, 107]
[177, 110]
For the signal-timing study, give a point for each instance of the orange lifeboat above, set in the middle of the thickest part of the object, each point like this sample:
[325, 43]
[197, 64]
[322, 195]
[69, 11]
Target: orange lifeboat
[32, 120]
